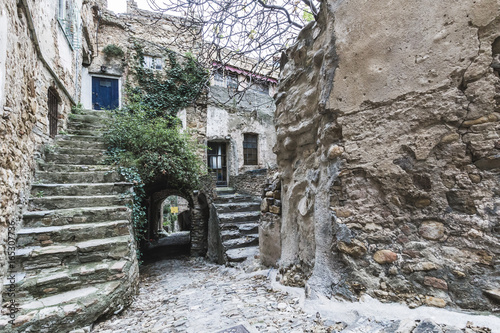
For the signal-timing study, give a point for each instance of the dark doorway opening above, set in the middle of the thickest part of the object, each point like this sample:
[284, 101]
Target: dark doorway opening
[217, 162]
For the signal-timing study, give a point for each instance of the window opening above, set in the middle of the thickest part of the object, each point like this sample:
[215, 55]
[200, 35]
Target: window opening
[250, 149]
[53, 113]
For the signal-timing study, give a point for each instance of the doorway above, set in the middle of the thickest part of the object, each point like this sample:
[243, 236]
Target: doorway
[217, 162]
[105, 93]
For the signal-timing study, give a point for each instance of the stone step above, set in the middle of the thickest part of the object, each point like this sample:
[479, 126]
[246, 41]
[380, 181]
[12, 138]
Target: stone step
[241, 254]
[233, 198]
[239, 229]
[95, 250]
[53, 167]
[245, 241]
[45, 282]
[74, 159]
[54, 235]
[85, 125]
[95, 113]
[42, 190]
[63, 202]
[72, 309]
[94, 118]
[77, 144]
[241, 217]
[75, 137]
[75, 216]
[225, 191]
[85, 177]
[85, 132]
[79, 151]
[238, 207]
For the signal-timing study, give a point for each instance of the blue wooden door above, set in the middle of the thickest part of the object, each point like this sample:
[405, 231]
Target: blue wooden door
[104, 93]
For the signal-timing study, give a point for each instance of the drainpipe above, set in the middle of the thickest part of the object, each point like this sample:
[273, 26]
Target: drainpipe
[34, 37]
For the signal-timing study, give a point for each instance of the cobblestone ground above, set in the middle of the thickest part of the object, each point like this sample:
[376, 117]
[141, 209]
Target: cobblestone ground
[192, 295]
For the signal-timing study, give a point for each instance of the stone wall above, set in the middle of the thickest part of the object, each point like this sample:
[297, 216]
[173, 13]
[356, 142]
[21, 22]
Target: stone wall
[35, 55]
[251, 182]
[388, 143]
[270, 220]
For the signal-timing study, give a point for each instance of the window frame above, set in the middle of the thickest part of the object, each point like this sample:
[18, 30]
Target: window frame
[250, 149]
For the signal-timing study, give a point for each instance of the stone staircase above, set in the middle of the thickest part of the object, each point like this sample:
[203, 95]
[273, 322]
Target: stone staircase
[239, 224]
[76, 257]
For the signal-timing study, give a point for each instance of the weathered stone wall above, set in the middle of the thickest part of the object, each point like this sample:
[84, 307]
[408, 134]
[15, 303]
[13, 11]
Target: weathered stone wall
[251, 182]
[270, 220]
[388, 143]
[35, 55]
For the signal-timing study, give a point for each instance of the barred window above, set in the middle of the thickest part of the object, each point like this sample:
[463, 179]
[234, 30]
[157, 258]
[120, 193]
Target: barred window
[250, 149]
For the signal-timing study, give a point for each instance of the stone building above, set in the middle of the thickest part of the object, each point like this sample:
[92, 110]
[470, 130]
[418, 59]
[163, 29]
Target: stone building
[388, 145]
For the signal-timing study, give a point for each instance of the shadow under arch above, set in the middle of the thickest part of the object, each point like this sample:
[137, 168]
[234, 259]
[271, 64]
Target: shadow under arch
[188, 239]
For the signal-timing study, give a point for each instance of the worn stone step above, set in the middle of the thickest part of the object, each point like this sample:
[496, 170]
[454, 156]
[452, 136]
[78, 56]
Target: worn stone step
[80, 144]
[84, 177]
[237, 207]
[62, 202]
[221, 191]
[95, 113]
[54, 235]
[243, 229]
[63, 150]
[45, 282]
[242, 217]
[63, 312]
[32, 258]
[42, 190]
[94, 118]
[76, 137]
[245, 241]
[241, 254]
[233, 198]
[85, 132]
[54, 167]
[75, 216]
[74, 159]
[85, 125]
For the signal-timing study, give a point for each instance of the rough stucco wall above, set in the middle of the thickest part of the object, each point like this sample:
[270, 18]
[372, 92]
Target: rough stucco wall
[24, 83]
[252, 114]
[388, 143]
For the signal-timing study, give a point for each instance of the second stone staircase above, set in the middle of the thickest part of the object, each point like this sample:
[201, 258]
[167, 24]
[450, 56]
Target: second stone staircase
[76, 257]
[239, 224]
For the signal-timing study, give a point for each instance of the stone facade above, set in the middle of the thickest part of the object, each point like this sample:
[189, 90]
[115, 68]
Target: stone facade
[270, 220]
[36, 54]
[388, 146]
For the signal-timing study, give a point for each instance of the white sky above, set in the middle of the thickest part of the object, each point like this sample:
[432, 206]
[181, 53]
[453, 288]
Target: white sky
[120, 6]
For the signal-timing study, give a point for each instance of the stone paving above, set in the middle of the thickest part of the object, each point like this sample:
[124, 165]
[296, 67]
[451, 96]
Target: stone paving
[192, 295]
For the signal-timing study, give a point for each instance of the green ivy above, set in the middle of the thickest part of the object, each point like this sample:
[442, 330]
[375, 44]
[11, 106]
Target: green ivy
[164, 92]
[111, 50]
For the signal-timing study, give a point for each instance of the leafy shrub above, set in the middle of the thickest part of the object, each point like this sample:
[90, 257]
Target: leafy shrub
[111, 50]
[156, 147]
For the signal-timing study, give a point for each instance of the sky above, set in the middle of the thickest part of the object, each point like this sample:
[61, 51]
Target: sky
[120, 6]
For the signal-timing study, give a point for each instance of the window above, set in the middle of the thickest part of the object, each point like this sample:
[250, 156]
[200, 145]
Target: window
[250, 149]
[67, 20]
[232, 81]
[52, 101]
[154, 63]
[219, 78]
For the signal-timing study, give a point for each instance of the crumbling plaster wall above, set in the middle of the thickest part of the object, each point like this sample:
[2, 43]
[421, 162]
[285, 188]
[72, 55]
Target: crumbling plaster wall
[388, 144]
[24, 83]
[230, 117]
